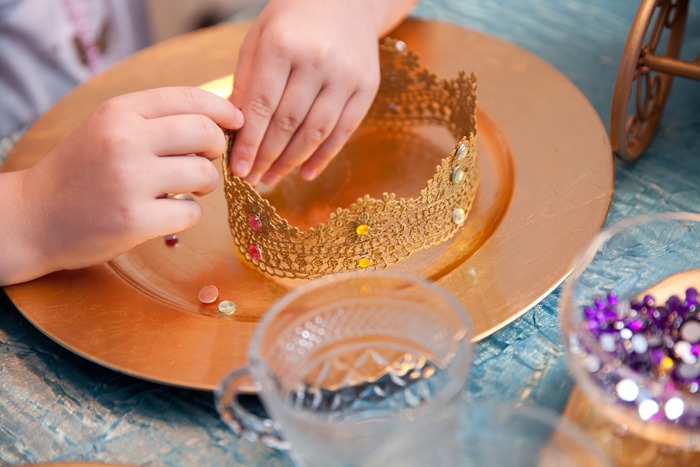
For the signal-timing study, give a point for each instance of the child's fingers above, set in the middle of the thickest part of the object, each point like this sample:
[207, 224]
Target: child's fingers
[166, 215]
[160, 102]
[349, 120]
[268, 78]
[183, 174]
[184, 134]
[291, 117]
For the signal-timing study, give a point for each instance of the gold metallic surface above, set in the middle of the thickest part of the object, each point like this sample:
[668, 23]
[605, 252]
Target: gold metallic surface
[633, 126]
[546, 181]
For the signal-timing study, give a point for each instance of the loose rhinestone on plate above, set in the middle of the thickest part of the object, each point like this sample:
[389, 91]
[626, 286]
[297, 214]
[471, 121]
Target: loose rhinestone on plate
[208, 294]
[170, 239]
[227, 307]
[461, 151]
[254, 222]
[254, 252]
[362, 229]
[364, 262]
[457, 174]
[458, 216]
[400, 46]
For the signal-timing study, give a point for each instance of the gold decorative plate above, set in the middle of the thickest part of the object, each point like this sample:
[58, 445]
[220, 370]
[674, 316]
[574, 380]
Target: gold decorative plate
[546, 184]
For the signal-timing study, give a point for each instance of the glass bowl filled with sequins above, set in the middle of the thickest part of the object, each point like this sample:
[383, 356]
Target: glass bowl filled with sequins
[631, 324]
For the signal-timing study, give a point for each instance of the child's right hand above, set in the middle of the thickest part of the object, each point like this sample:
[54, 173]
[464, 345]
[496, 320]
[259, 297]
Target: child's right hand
[102, 190]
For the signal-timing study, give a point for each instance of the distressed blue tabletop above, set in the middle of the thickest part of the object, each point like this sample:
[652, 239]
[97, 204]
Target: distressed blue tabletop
[56, 406]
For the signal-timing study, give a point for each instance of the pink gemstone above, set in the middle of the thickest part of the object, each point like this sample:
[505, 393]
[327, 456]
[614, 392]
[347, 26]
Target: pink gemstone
[254, 222]
[254, 252]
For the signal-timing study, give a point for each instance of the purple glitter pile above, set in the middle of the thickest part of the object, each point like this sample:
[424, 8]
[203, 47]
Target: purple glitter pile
[658, 342]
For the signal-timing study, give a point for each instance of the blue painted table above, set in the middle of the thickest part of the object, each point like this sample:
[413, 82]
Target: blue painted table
[56, 406]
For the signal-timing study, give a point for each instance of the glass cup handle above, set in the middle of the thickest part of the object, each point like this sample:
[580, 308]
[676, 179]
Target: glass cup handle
[242, 421]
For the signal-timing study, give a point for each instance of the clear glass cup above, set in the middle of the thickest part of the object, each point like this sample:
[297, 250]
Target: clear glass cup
[344, 363]
[632, 330]
[491, 434]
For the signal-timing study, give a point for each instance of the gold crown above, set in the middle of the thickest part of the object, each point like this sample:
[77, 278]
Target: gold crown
[373, 233]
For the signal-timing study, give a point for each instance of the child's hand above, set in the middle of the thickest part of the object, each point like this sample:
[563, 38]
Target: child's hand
[307, 74]
[102, 190]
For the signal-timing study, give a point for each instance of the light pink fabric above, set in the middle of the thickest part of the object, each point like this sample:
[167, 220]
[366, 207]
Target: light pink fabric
[39, 61]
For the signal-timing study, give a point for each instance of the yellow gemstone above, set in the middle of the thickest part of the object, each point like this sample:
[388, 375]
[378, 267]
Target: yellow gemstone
[666, 365]
[362, 229]
[363, 262]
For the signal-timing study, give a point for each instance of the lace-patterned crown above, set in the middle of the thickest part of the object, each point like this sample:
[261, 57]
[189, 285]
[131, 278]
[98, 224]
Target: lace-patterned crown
[373, 233]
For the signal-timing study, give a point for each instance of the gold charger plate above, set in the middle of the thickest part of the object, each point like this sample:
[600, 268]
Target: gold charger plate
[546, 185]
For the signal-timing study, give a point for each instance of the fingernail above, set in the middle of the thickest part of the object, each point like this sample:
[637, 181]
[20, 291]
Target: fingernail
[240, 117]
[241, 168]
[308, 173]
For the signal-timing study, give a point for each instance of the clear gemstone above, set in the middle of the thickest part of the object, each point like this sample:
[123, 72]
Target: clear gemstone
[647, 409]
[458, 216]
[683, 350]
[686, 371]
[457, 174]
[607, 342]
[674, 408]
[461, 151]
[627, 390]
[592, 363]
[227, 307]
[639, 343]
[691, 331]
